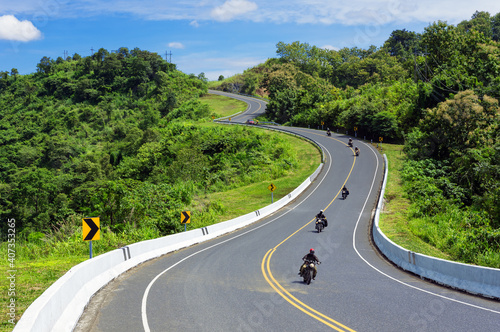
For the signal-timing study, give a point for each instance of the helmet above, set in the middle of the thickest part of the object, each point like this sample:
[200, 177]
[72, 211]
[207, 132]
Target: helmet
[321, 211]
[311, 251]
[356, 147]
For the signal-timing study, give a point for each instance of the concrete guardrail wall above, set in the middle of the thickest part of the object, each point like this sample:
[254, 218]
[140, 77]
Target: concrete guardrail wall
[61, 305]
[470, 278]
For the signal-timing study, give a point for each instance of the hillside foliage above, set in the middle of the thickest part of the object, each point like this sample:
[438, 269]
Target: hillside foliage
[121, 135]
[436, 91]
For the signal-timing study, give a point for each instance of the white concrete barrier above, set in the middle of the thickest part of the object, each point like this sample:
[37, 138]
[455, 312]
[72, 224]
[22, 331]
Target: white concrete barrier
[61, 305]
[470, 278]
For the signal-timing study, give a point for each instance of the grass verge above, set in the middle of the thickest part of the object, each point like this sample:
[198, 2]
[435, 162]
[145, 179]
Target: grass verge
[249, 198]
[32, 278]
[35, 275]
[394, 221]
[223, 106]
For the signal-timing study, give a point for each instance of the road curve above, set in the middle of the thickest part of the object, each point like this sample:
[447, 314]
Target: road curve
[247, 280]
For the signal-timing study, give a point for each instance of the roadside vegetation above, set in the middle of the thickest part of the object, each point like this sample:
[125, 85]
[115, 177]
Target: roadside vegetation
[43, 258]
[395, 215]
[436, 94]
[125, 136]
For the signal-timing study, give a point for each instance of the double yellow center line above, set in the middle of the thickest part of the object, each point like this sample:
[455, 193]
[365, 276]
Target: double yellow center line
[266, 272]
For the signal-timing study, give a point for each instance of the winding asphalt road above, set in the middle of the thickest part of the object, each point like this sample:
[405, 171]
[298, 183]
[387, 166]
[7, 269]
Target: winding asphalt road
[247, 280]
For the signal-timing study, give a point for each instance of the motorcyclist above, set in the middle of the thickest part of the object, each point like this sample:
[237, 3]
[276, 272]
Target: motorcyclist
[356, 151]
[322, 216]
[350, 142]
[310, 257]
[328, 131]
[345, 192]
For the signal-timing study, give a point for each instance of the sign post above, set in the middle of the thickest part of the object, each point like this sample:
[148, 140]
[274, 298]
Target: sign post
[185, 218]
[355, 131]
[91, 230]
[272, 188]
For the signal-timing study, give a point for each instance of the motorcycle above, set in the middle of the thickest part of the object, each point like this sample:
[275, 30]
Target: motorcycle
[308, 271]
[357, 153]
[350, 144]
[329, 133]
[320, 225]
[344, 194]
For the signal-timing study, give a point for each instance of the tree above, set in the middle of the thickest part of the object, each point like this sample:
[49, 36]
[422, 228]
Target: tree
[201, 77]
[100, 55]
[138, 71]
[123, 52]
[221, 78]
[495, 27]
[402, 43]
[14, 72]
[250, 84]
[29, 88]
[480, 21]
[3, 79]
[111, 67]
[45, 66]
[34, 191]
[439, 40]
[460, 123]
[384, 124]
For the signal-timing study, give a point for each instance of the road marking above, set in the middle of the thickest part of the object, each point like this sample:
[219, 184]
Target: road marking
[266, 270]
[265, 267]
[373, 267]
[144, 316]
[397, 280]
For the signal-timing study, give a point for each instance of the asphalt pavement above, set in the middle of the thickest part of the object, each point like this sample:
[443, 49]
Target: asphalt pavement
[247, 280]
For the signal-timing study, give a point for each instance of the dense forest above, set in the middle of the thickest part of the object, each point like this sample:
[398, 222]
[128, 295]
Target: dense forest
[121, 135]
[436, 91]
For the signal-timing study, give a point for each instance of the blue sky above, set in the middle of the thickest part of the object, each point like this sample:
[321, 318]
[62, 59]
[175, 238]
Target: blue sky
[216, 37]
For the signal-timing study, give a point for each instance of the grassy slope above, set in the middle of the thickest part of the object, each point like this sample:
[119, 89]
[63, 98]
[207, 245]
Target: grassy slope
[250, 198]
[224, 106]
[393, 219]
[33, 277]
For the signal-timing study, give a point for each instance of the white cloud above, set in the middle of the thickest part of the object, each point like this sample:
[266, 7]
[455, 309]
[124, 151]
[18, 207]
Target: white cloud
[176, 45]
[330, 47]
[326, 12]
[372, 12]
[197, 63]
[194, 24]
[232, 9]
[13, 29]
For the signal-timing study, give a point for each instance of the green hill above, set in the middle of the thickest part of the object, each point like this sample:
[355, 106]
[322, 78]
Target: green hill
[436, 91]
[120, 135]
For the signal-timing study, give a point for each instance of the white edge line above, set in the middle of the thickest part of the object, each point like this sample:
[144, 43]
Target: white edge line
[144, 316]
[390, 277]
